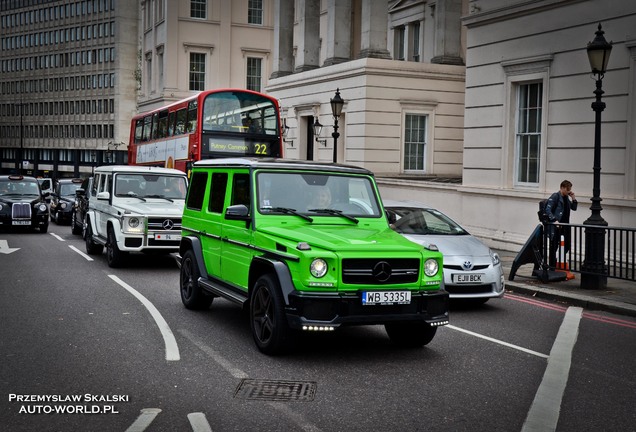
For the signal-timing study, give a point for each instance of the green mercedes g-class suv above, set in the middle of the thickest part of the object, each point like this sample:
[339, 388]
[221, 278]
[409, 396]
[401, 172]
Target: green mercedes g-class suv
[304, 246]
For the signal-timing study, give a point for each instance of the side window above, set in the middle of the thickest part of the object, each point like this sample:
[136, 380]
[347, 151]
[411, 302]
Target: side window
[217, 192]
[96, 181]
[196, 192]
[241, 189]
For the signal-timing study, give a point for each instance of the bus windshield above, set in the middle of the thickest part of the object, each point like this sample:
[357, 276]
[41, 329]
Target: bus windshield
[240, 113]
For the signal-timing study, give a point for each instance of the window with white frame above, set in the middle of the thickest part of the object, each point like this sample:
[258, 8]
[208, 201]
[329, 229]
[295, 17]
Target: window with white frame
[528, 132]
[197, 71]
[255, 12]
[254, 73]
[415, 131]
[198, 8]
[400, 33]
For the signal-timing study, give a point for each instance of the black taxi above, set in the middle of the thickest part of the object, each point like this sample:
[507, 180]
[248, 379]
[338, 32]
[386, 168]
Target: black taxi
[22, 203]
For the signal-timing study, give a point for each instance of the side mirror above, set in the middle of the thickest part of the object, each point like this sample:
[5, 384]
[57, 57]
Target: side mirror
[237, 212]
[103, 196]
[80, 192]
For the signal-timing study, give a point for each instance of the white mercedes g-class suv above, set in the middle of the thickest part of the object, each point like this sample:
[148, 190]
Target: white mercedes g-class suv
[136, 209]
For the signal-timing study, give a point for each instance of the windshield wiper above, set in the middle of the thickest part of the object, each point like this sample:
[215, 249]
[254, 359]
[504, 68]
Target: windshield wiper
[159, 196]
[335, 212]
[134, 195]
[289, 211]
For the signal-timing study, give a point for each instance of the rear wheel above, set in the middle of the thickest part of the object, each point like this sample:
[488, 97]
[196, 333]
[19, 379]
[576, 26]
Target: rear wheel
[114, 256]
[92, 248]
[267, 317]
[192, 295]
[44, 228]
[410, 334]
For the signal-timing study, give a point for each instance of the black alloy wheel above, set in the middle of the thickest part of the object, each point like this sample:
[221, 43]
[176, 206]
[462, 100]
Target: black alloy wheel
[114, 256]
[410, 334]
[192, 295]
[267, 317]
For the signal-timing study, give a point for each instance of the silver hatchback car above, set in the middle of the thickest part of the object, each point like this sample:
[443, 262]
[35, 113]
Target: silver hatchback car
[471, 269]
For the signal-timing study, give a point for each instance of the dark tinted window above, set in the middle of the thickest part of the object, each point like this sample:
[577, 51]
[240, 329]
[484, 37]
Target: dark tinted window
[217, 192]
[196, 192]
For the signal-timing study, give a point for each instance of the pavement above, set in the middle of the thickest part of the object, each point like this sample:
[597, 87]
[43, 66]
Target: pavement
[619, 297]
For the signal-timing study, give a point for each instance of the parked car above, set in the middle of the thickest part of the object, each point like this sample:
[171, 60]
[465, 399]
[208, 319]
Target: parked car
[304, 247]
[80, 205]
[62, 199]
[471, 269]
[134, 209]
[22, 203]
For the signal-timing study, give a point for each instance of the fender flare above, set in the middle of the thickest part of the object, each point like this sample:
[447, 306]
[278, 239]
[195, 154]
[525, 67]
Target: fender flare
[281, 271]
[194, 243]
[90, 220]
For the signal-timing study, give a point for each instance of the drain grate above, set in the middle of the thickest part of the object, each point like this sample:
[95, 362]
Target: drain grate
[276, 390]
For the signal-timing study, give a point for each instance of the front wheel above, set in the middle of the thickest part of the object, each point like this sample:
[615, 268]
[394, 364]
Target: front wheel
[114, 255]
[192, 295]
[410, 334]
[267, 317]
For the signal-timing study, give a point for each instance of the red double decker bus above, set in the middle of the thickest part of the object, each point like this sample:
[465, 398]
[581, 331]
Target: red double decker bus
[211, 124]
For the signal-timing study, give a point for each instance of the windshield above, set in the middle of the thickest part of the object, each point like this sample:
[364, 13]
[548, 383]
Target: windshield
[240, 113]
[150, 186]
[19, 187]
[316, 194]
[68, 189]
[413, 220]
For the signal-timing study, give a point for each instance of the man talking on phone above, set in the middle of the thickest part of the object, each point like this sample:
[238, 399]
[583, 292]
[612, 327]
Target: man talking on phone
[558, 212]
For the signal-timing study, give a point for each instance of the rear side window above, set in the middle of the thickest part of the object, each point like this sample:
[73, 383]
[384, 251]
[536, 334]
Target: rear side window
[217, 192]
[196, 193]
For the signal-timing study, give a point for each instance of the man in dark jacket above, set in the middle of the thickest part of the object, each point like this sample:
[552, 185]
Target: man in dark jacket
[558, 210]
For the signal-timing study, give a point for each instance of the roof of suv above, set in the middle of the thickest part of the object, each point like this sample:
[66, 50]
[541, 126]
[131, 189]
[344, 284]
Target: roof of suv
[137, 169]
[273, 163]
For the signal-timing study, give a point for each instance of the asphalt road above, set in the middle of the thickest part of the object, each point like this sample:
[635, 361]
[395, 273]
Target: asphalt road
[121, 343]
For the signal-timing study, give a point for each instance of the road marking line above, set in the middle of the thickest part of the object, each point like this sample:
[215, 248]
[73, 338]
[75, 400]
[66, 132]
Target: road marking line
[544, 411]
[143, 421]
[172, 349]
[538, 354]
[297, 418]
[199, 423]
[57, 237]
[225, 364]
[81, 253]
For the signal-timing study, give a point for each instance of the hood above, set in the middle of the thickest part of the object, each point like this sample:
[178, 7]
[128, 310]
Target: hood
[449, 246]
[31, 199]
[343, 238]
[152, 207]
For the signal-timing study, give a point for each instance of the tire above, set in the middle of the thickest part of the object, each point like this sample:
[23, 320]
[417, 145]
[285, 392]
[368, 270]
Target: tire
[114, 256]
[192, 295]
[74, 228]
[267, 317]
[44, 228]
[410, 334]
[92, 248]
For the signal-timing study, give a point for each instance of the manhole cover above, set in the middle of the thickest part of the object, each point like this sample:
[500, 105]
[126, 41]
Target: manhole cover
[276, 390]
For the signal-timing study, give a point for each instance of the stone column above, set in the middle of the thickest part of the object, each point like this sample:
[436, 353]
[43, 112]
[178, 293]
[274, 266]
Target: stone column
[448, 32]
[283, 38]
[308, 47]
[374, 19]
[338, 31]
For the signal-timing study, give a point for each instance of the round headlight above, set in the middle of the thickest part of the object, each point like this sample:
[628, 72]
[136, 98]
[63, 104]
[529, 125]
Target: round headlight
[63, 205]
[42, 207]
[133, 222]
[431, 267]
[318, 267]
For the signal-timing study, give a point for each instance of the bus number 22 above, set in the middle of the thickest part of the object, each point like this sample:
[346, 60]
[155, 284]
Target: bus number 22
[261, 149]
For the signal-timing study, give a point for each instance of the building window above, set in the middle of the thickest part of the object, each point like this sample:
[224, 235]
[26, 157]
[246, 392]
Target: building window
[415, 142]
[399, 43]
[415, 41]
[254, 73]
[197, 71]
[528, 132]
[255, 12]
[198, 8]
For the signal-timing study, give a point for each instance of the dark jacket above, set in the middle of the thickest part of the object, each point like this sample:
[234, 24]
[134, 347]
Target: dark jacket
[556, 210]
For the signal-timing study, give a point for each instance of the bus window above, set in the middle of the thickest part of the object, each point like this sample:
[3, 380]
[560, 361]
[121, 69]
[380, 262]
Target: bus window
[147, 128]
[162, 125]
[181, 121]
[192, 117]
[155, 129]
[139, 128]
[171, 119]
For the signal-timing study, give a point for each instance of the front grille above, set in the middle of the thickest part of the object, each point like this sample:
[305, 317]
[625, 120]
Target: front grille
[458, 267]
[21, 211]
[164, 224]
[380, 271]
[165, 243]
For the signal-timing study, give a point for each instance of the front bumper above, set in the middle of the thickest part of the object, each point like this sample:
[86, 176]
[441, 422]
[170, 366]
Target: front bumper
[492, 286]
[157, 240]
[337, 309]
[38, 220]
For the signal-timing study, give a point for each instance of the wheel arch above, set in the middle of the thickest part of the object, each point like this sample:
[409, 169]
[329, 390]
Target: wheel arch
[262, 265]
[194, 244]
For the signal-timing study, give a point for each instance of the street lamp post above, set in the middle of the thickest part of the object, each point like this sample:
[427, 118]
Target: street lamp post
[336, 109]
[594, 270]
